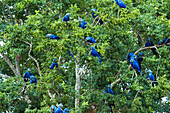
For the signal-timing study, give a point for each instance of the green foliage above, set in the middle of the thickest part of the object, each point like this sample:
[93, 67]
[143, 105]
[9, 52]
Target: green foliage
[33, 20]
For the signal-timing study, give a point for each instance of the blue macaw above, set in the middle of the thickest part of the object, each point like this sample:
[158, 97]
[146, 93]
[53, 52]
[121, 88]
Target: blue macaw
[54, 64]
[66, 110]
[150, 43]
[134, 63]
[95, 53]
[95, 15]
[53, 36]
[33, 79]
[82, 24]
[90, 39]
[59, 110]
[128, 57]
[66, 18]
[150, 76]
[140, 58]
[110, 91]
[165, 41]
[27, 75]
[120, 3]
[70, 54]
[53, 108]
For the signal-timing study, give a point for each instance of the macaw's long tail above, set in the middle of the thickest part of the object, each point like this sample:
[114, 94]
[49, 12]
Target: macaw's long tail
[70, 54]
[154, 51]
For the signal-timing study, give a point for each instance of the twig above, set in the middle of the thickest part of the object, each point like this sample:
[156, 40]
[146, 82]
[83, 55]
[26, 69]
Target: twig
[94, 20]
[97, 22]
[136, 95]
[139, 36]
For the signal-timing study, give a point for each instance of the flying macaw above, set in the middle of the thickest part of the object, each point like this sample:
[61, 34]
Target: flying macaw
[150, 43]
[33, 79]
[140, 58]
[53, 36]
[90, 40]
[120, 3]
[54, 64]
[134, 63]
[82, 24]
[66, 18]
[66, 110]
[95, 15]
[53, 108]
[59, 110]
[95, 53]
[27, 75]
[128, 57]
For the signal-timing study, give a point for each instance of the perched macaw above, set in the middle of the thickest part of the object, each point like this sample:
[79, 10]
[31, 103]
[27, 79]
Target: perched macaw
[150, 76]
[90, 40]
[53, 108]
[134, 63]
[140, 58]
[165, 41]
[128, 57]
[59, 110]
[33, 79]
[110, 91]
[54, 64]
[95, 53]
[120, 3]
[150, 43]
[27, 75]
[70, 54]
[53, 36]
[66, 18]
[66, 110]
[95, 15]
[82, 24]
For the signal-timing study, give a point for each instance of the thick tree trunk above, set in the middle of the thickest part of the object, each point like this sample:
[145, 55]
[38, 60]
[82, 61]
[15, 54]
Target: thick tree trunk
[77, 87]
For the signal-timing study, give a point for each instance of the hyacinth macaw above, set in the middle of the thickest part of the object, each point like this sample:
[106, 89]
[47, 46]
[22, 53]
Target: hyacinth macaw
[54, 64]
[66, 110]
[59, 110]
[134, 63]
[95, 53]
[110, 91]
[53, 36]
[140, 58]
[33, 79]
[27, 75]
[53, 108]
[82, 24]
[165, 41]
[128, 57]
[120, 3]
[66, 18]
[70, 54]
[95, 15]
[150, 76]
[150, 43]
[90, 40]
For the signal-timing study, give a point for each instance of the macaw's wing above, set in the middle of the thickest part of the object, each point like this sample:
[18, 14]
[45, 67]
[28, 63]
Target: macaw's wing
[52, 66]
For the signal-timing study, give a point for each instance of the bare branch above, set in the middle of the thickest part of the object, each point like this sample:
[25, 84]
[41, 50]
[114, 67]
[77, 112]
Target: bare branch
[139, 36]
[117, 81]
[4, 76]
[59, 60]
[17, 64]
[97, 22]
[29, 54]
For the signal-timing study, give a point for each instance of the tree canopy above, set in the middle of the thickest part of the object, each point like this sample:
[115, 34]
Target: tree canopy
[78, 82]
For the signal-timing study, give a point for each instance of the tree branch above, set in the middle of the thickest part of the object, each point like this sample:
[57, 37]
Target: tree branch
[17, 64]
[10, 64]
[37, 63]
[118, 80]
[4, 76]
